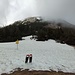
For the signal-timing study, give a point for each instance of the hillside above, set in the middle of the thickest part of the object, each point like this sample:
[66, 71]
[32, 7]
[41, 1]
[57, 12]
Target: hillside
[60, 30]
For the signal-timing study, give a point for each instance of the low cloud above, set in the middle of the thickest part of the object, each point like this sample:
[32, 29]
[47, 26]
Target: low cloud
[57, 9]
[13, 10]
[4, 5]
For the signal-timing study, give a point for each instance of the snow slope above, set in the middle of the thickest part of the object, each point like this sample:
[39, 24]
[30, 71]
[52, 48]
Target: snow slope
[46, 56]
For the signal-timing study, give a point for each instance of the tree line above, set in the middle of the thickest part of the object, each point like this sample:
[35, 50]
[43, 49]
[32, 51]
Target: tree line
[19, 29]
[62, 35]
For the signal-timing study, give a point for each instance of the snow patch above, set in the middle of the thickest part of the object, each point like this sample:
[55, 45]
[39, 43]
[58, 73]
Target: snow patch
[47, 55]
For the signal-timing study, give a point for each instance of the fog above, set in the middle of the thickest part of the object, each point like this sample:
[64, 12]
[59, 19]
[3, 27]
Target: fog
[4, 5]
[13, 10]
[57, 9]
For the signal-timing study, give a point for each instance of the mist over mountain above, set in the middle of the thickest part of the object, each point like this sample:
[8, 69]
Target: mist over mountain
[56, 9]
[14, 10]
[64, 23]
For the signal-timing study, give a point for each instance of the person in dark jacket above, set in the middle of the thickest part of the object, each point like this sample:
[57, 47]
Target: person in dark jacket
[30, 58]
[27, 57]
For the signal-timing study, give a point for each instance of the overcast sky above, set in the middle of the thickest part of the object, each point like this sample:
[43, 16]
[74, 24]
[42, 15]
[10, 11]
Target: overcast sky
[13, 10]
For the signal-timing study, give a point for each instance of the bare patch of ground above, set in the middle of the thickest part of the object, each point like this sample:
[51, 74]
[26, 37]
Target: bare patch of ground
[26, 72]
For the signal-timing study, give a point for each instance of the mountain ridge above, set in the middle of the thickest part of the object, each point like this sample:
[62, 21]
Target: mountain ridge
[44, 30]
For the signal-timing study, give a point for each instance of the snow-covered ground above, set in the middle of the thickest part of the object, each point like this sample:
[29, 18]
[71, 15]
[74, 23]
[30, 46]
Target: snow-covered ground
[46, 56]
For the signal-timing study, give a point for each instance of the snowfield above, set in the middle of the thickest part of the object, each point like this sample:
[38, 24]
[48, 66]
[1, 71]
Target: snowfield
[47, 55]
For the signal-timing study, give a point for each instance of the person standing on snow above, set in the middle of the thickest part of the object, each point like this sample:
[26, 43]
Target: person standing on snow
[30, 58]
[27, 57]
